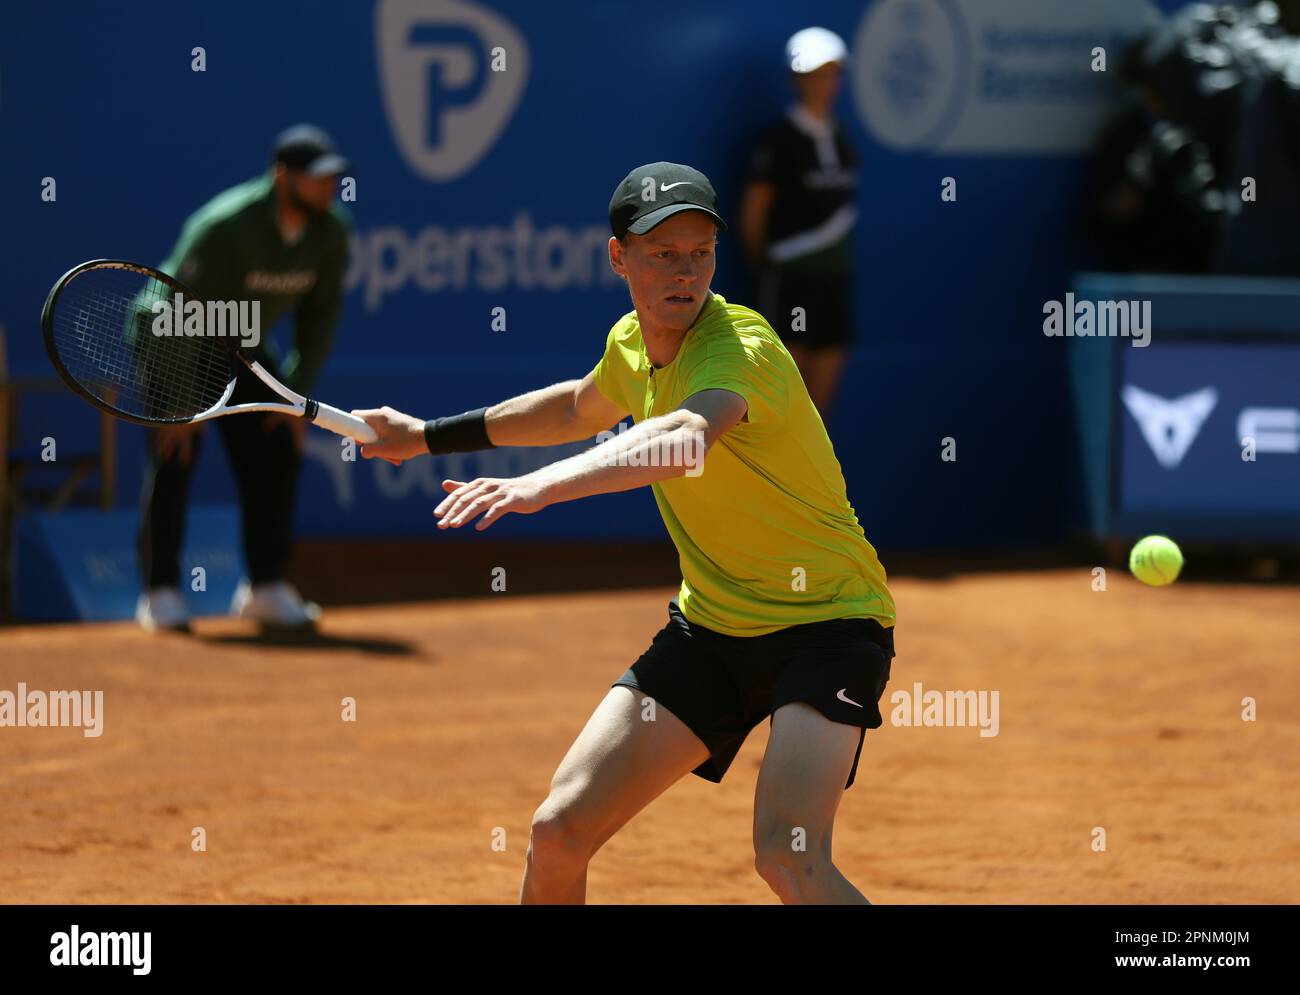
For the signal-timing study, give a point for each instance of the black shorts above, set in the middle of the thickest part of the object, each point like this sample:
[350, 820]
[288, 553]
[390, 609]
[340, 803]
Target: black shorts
[722, 686]
[826, 303]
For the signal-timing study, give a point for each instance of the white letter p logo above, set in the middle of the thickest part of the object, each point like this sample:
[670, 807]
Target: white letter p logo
[445, 108]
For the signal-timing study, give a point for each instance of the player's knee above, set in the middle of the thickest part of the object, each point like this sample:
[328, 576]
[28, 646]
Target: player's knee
[559, 836]
[789, 863]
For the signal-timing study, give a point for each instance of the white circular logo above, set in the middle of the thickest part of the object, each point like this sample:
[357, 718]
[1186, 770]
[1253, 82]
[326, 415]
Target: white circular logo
[910, 71]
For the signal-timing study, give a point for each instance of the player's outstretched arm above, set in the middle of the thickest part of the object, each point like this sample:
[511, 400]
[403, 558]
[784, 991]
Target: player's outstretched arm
[671, 445]
[564, 412]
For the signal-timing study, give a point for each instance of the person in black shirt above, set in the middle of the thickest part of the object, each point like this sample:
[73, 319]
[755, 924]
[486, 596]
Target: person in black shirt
[797, 217]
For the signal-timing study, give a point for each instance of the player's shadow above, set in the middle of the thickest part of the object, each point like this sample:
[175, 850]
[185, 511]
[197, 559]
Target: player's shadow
[311, 639]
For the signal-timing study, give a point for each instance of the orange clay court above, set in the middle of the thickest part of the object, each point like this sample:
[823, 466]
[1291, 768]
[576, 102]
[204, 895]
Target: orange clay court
[1119, 709]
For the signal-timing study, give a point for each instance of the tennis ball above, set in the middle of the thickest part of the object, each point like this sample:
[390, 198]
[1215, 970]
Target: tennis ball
[1156, 560]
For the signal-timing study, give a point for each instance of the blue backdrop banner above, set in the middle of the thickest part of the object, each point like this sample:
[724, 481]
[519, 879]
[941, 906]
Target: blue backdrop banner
[486, 140]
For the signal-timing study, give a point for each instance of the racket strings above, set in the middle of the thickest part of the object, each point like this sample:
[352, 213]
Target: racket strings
[113, 342]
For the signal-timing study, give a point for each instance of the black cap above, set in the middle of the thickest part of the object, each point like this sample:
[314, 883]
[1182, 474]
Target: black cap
[653, 193]
[305, 147]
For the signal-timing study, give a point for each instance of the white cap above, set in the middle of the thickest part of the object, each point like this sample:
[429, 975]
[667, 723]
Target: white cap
[812, 48]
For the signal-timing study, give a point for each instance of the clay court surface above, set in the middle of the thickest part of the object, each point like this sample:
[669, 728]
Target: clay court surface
[1119, 709]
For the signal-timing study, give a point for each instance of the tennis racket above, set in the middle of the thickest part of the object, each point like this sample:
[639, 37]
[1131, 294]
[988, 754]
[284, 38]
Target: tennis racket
[100, 329]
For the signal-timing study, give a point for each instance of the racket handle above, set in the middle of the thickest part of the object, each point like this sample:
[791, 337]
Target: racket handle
[341, 422]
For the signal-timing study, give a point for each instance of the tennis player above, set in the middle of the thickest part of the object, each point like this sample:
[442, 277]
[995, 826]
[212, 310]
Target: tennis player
[783, 611]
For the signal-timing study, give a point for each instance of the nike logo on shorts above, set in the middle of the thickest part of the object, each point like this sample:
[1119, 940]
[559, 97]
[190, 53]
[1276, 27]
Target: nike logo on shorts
[844, 697]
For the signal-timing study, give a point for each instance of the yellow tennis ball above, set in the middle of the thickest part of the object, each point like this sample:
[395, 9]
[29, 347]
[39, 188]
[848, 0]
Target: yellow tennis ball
[1156, 560]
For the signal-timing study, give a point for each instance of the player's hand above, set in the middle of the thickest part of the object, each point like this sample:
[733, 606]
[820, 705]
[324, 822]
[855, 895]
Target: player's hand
[490, 497]
[401, 437]
[296, 424]
[176, 442]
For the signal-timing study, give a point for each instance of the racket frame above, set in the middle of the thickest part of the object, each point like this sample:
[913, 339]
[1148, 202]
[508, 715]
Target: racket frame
[334, 419]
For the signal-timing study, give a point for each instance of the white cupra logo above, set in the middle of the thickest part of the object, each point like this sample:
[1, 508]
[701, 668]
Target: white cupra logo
[1169, 426]
[452, 74]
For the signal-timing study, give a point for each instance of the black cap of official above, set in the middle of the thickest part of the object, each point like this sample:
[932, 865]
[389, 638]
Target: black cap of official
[306, 148]
[650, 194]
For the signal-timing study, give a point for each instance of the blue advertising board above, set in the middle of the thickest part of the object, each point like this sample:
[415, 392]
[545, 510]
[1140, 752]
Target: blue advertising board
[486, 139]
[83, 565]
[1211, 429]
[1197, 433]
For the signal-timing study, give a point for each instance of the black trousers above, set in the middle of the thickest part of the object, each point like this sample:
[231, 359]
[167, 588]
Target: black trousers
[265, 466]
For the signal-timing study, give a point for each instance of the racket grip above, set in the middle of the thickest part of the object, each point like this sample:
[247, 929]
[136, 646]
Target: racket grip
[341, 423]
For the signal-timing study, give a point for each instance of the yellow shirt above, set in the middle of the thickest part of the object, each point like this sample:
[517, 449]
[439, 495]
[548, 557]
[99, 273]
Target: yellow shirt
[765, 534]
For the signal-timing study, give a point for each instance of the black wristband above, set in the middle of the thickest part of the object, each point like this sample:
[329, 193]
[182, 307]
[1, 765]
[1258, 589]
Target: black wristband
[465, 433]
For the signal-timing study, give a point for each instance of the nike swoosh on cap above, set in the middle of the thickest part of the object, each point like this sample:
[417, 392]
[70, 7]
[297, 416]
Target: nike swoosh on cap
[665, 187]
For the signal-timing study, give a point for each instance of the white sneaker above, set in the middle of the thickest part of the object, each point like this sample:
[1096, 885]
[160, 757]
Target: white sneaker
[277, 604]
[162, 608]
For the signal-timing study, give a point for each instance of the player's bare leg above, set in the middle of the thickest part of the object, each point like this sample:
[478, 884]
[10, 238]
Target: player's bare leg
[800, 784]
[619, 763]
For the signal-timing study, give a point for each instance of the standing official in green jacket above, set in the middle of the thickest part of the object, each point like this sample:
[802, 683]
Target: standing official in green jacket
[281, 240]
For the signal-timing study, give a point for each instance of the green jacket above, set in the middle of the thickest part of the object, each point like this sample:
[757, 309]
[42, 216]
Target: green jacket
[230, 249]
